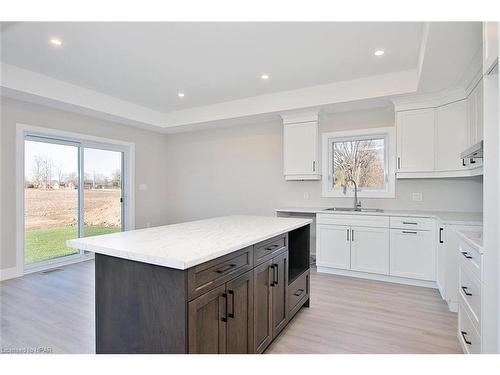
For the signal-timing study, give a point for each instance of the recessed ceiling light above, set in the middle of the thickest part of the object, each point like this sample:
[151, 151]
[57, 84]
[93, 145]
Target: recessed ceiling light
[379, 52]
[264, 77]
[181, 95]
[56, 42]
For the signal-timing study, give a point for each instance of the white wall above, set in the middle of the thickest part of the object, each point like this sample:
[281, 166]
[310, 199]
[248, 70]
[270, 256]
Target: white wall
[240, 170]
[150, 156]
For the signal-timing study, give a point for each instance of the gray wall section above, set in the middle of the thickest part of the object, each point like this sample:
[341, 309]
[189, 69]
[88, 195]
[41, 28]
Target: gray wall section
[150, 156]
[216, 172]
[240, 170]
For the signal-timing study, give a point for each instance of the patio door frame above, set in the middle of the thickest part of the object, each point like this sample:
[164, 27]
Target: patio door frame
[82, 141]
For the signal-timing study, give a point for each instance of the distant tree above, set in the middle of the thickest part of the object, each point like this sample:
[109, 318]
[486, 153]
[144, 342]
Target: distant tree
[37, 170]
[116, 178]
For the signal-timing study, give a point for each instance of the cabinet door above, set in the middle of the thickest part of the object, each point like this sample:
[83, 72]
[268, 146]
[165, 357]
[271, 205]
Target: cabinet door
[279, 292]
[262, 306]
[300, 148]
[412, 254]
[333, 247]
[370, 250]
[452, 135]
[415, 134]
[207, 327]
[239, 330]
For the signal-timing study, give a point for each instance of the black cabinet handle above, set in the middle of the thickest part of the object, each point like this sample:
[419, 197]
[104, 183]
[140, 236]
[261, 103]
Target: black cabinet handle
[465, 339]
[348, 235]
[225, 269]
[298, 292]
[224, 316]
[273, 277]
[276, 275]
[441, 235]
[464, 288]
[231, 293]
[409, 223]
[466, 254]
[463, 162]
[352, 235]
[408, 232]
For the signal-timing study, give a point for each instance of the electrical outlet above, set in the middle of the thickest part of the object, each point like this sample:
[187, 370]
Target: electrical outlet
[417, 197]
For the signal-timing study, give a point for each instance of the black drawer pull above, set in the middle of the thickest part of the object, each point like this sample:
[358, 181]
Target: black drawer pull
[464, 288]
[298, 292]
[271, 267]
[225, 269]
[272, 247]
[275, 266]
[466, 254]
[409, 232]
[409, 223]
[465, 339]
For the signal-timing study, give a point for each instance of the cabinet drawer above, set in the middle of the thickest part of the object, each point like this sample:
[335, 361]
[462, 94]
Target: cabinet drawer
[470, 259]
[359, 219]
[206, 276]
[468, 337]
[265, 250]
[416, 223]
[298, 292]
[470, 292]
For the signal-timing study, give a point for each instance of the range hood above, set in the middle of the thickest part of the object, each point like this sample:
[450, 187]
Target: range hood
[473, 152]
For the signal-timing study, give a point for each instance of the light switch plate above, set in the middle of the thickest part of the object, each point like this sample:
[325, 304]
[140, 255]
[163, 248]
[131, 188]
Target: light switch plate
[418, 197]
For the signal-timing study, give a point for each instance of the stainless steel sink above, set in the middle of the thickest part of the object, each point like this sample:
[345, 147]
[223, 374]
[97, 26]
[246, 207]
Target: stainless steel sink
[352, 209]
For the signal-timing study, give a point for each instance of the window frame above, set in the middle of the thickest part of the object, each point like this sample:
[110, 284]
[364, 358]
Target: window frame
[389, 135]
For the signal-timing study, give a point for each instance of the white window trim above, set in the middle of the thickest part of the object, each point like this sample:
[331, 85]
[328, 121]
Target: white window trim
[85, 140]
[390, 155]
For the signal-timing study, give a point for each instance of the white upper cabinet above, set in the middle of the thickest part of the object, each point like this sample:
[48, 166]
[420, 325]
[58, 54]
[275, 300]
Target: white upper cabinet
[490, 46]
[416, 136]
[451, 135]
[475, 113]
[300, 147]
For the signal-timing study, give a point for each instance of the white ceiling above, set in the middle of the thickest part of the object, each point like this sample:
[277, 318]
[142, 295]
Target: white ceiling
[218, 64]
[148, 63]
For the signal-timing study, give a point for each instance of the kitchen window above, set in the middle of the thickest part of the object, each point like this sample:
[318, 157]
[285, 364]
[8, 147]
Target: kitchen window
[365, 156]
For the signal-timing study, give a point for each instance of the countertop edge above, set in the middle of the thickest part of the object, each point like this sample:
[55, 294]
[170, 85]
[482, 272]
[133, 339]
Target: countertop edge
[173, 263]
[424, 214]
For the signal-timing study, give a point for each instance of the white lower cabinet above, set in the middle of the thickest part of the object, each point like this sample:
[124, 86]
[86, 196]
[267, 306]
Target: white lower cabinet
[370, 250]
[413, 254]
[333, 248]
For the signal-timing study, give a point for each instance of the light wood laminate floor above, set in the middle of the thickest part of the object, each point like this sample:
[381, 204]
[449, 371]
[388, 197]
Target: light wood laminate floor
[347, 315]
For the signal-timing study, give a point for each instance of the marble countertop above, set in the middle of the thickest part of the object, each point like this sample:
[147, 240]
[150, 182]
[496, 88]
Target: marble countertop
[185, 245]
[447, 217]
[473, 238]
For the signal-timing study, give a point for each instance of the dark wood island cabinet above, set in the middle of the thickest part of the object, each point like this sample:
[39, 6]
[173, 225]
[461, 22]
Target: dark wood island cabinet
[234, 304]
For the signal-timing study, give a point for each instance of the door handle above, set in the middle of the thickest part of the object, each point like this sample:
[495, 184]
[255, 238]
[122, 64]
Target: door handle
[231, 293]
[314, 166]
[464, 334]
[298, 292]
[441, 235]
[276, 275]
[348, 230]
[224, 316]
[352, 235]
[271, 267]
[464, 288]
[466, 254]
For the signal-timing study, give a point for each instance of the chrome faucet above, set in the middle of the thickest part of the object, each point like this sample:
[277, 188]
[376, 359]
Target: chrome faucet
[357, 204]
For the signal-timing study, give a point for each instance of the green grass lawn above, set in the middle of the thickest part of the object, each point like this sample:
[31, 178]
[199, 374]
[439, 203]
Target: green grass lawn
[44, 244]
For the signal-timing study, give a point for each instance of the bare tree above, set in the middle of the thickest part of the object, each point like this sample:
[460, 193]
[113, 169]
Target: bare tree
[116, 178]
[59, 172]
[37, 170]
[360, 161]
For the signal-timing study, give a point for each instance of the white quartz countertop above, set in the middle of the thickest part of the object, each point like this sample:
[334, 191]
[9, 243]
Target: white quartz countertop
[473, 238]
[447, 217]
[185, 245]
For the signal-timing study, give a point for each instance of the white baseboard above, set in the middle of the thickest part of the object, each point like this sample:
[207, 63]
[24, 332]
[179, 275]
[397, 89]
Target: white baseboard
[9, 273]
[373, 276]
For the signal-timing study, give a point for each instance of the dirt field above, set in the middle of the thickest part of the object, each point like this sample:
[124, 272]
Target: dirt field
[58, 208]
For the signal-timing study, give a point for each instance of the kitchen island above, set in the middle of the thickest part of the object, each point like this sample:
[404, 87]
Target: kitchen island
[221, 285]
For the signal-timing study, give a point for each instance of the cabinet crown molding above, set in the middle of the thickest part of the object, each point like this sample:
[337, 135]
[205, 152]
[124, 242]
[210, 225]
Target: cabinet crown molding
[309, 115]
[433, 100]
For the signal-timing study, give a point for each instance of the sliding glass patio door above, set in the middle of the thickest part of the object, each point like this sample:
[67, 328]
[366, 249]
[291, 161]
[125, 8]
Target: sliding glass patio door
[71, 190]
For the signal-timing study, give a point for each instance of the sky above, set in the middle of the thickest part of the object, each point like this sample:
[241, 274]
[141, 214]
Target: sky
[95, 161]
